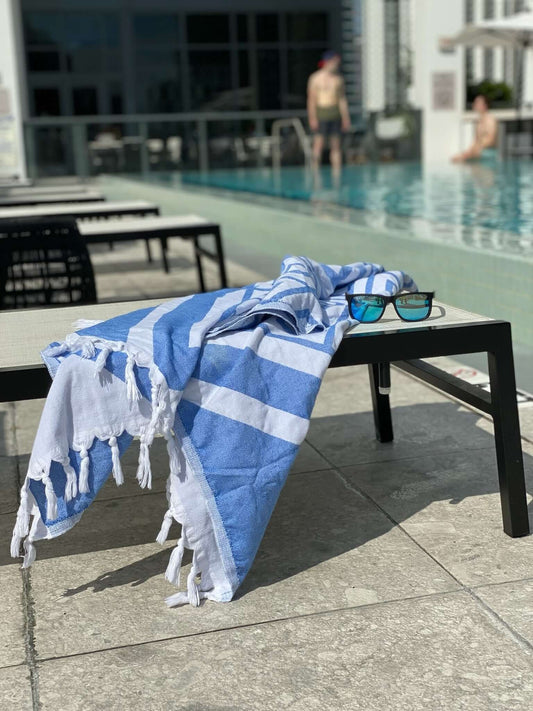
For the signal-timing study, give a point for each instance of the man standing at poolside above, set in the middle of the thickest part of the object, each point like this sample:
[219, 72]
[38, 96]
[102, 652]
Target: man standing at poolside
[327, 110]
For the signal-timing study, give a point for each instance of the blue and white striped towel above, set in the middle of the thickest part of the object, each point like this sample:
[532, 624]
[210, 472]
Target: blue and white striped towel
[229, 378]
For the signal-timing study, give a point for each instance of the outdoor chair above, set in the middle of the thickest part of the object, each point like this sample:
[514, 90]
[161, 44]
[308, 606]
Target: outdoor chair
[44, 263]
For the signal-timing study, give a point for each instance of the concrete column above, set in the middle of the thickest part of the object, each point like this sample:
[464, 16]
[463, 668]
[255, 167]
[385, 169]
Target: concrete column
[438, 78]
[373, 40]
[12, 92]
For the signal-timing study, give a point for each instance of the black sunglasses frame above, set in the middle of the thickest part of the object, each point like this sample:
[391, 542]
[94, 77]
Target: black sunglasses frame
[392, 300]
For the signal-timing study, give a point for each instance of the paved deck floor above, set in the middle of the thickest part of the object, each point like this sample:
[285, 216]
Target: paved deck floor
[384, 581]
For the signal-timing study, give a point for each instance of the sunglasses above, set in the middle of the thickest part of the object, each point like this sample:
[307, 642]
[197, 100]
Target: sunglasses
[412, 306]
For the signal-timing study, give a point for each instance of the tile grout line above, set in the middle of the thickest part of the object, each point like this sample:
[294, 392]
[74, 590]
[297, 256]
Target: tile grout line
[498, 621]
[28, 607]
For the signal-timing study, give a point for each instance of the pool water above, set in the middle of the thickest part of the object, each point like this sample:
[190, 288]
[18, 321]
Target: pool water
[496, 196]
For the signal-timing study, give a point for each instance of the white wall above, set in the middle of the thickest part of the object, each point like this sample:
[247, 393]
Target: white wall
[373, 45]
[441, 128]
[12, 161]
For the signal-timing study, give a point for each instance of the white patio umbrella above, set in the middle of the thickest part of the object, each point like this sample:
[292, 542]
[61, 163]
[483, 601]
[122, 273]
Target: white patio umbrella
[514, 31]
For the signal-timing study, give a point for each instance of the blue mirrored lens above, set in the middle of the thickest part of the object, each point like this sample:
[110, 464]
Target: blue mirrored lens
[367, 309]
[413, 307]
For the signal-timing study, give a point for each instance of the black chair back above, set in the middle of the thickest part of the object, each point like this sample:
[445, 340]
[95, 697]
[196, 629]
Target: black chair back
[44, 263]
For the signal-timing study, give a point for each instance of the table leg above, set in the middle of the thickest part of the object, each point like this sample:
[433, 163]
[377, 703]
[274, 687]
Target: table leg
[164, 247]
[199, 265]
[220, 259]
[148, 250]
[507, 436]
[380, 404]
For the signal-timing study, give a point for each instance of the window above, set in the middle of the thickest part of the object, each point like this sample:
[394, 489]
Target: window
[469, 11]
[43, 61]
[307, 27]
[302, 62]
[269, 79]
[488, 63]
[158, 80]
[208, 28]
[488, 9]
[210, 76]
[84, 101]
[242, 28]
[46, 102]
[244, 68]
[155, 29]
[44, 28]
[267, 27]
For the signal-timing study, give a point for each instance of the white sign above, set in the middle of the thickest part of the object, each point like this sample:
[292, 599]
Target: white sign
[443, 90]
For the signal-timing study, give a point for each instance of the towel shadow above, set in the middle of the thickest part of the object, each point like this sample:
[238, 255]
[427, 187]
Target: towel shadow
[317, 517]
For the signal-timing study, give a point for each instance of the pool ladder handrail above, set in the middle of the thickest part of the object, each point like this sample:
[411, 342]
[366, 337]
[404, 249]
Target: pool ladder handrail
[303, 140]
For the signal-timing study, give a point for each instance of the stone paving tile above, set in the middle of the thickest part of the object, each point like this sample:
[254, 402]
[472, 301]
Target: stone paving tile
[440, 652]
[15, 689]
[450, 504]
[513, 602]
[9, 484]
[27, 416]
[7, 430]
[11, 614]
[325, 548]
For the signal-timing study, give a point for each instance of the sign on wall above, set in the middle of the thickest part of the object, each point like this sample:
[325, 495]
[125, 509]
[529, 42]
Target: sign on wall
[443, 90]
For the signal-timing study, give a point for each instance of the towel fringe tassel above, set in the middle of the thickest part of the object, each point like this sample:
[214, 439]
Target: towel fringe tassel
[165, 528]
[84, 471]
[51, 499]
[101, 360]
[115, 458]
[172, 573]
[133, 392]
[71, 488]
[144, 470]
[30, 553]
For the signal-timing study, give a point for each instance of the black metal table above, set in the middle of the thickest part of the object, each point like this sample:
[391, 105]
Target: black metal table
[189, 227]
[448, 332]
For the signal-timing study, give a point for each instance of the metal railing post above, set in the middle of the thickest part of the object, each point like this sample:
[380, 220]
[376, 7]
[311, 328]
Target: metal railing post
[203, 147]
[80, 149]
[143, 148]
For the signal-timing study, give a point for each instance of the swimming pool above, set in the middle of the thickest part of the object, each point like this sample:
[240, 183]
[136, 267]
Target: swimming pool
[490, 203]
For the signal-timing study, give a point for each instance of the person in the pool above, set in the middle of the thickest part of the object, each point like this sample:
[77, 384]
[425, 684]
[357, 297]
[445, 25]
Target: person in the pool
[327, 109]
[486, 134]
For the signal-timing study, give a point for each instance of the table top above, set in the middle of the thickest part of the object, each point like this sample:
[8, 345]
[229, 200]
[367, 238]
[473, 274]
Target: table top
[146, 224]
[27, 331]
[76, 209]
[48, 198]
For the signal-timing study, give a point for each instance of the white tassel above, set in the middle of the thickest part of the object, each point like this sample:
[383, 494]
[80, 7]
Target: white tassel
[173, 453]
[87, 349]
[101, 360]
[133, 391]
[84, 471]
[51, 499]
[115, 458]
[29, 553]
[16, 540]
[193, 593]
[165, 528]
[56, 350]
[177, 599]
[172, 573]
[144, 471]
[71, 489]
